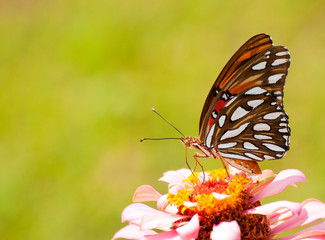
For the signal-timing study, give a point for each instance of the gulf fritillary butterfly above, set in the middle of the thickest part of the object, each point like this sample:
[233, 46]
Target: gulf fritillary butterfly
[243, 120]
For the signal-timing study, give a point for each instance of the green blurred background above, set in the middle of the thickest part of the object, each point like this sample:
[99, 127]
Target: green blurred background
[78, 80]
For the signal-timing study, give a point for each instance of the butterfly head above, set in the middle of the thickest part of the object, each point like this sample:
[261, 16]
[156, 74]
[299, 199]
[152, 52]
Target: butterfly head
[186, 142]
[190, 142]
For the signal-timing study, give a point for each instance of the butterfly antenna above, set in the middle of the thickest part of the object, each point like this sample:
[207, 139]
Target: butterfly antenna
[154, 110]
[142, 139]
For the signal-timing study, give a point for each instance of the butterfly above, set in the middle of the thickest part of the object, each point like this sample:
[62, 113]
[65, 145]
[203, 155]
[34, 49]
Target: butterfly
[243, 120]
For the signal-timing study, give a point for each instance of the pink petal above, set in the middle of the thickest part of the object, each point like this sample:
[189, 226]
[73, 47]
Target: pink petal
[146, 193]
[264, 175]
[136, 211]
[273, 208]
[312, 211]
[132, 231]
[162, 202]
[261, 186]
[173, 188]
[170, 235]
[162, 221]
[190, 230]
[316, 231]
[280, 182]
[281, 216]
[226, 230]
[163, 205]
[175, 176]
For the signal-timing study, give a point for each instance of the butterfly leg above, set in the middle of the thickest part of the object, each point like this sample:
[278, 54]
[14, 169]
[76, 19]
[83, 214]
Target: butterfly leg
[196, 156]
[224, 164]
[199, 155]
[188, 165]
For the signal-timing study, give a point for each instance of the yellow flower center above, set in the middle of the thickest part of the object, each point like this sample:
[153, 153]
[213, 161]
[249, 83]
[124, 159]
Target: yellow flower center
[218, 199]
[211, 196]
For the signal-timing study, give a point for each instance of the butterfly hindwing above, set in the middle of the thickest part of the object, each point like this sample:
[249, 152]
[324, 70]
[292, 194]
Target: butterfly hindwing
[252, 126]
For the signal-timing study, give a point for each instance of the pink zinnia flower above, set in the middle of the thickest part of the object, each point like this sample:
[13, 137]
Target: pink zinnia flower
[211, 205]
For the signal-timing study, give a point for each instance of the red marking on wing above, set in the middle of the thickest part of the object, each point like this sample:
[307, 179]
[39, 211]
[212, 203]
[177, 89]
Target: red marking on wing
[220, 104]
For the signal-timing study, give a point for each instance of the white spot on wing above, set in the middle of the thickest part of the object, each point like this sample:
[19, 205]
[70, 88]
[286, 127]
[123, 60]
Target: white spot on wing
[238, 113]
[262, 137]
[231, 101]
[279, 61]
[262, 127]
[222, 120]
[208, 140]
[250, 146]
[226, 145]
[234, 132]
[275, 78]
[255, 103]
[252, 156]
[272, 116]
[214, 114]
[268, 157]
[283, 130]
[282, 124]
[224, 97]
[233, 156]
[255, 91]
[267, 53]
[279, 54]
[259, 66]
[287, 141]
[274, 147]
[283, 119]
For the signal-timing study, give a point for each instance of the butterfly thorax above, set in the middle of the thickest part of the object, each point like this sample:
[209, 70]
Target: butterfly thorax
[194, 142]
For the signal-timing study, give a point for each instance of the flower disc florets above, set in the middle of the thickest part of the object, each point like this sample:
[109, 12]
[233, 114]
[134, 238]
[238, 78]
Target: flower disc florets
[217, 198]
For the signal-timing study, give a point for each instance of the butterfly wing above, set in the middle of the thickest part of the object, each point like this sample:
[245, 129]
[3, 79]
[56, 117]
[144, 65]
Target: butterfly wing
[267, 69]
[243, 117]
[251, 127]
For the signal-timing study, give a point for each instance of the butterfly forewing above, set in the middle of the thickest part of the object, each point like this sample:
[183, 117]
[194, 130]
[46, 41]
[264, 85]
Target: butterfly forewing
[249, 50]
[268, 69]
[252, 126]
